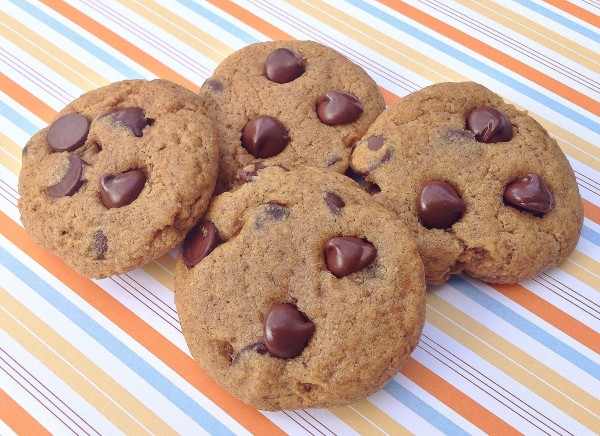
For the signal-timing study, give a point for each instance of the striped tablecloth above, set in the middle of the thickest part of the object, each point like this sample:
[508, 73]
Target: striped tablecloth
[107, 356]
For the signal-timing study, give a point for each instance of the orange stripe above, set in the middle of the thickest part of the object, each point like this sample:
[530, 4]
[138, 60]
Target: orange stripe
[591, 211]
[461, 403]
[496, 55]
[119, 43]
[26, 99]
[17, 418]
[576, 11]
[139, 330]
[551, 314]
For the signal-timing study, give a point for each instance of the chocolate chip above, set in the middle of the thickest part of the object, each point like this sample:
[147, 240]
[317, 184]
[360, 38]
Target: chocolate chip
[264, 136]
[258, 347]
[347, 254]
[386, 157]
[283, 65]
[334, 108]
[121, 190]
[334, 202]
[213, 84]
[489, 124]
[68, 133]
[246, 174]
[134, 118]
[200, 242]
[286, 331]
[277, 211]
[99, 245]
[71, 182]
[331, 160]
[375, 142]
[529, 194]
[439, 205]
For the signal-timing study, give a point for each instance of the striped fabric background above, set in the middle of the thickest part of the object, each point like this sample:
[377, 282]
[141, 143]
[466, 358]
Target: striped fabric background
[107, 356]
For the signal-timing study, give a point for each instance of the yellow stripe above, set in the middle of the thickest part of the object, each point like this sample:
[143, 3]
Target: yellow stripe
[429, 68]
[54, 58]
[356, 421]
[159, 273]
[7, 159]
[510, 359]
[586, 262]
[572, 268]
[380, 418]
[536, 32]
[192, 35]
[77, 371]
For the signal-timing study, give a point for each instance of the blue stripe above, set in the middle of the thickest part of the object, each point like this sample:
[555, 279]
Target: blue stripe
[17, 119]
[138, 365]
[561, 19]
[482, 67]
[527, 327]
[590, 235]
[81, 41]
[219, 21]
[422, 409]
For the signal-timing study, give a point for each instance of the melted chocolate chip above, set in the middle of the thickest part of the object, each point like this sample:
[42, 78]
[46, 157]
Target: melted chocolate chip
[283, 65]
[213, 84]
[375, 142]
[334, 202]
[121, 190]
[335, 108]
[68, 133]
[200, 242]
[99, 245]
[286, 331]
[264, 136]
[246, 174]
[133, 118]
[258, 347]
[277, 211]
[489, 125]
[345, 255]
[529, 194]
[71, 182]
[439, 205]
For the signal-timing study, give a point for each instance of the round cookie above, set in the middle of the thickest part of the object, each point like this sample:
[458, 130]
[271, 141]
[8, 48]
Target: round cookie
[297, 290]
[291, 103]
[119, 176]
[483, 186]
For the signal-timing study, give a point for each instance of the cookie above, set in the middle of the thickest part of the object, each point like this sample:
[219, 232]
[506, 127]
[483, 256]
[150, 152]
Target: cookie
[482, 185]
[119, 176]
[291, 103]
[297, 290]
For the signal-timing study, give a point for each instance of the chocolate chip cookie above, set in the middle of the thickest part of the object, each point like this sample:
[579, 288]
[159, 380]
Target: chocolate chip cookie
[483, 186]
[120, 175]
[290, 103]
[298, 290]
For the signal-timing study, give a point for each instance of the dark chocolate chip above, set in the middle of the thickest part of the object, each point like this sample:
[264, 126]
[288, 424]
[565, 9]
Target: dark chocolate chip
[334, 108]
[347, 254]
[334, 202]
[489, 124]
[286, 331]
[99, 245]
[213, 84]
[331, 160]
[200, 242]
[68, 133]
[283, 65]
[277, 211]
[134, 118]
[529, 194]
[121, 190]
[258, 347]
[264, 136]
[71, 182]
[386, 157]
[375, 142]
[439, 205]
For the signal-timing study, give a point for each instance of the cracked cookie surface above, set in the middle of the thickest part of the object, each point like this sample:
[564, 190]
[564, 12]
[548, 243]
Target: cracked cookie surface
[298, 290]
[119, 176]
[483, 186]
[290, 103]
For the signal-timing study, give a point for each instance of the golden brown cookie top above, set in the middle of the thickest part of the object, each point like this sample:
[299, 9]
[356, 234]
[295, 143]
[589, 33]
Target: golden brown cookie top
[119, 176]
[482, 185]
[291, 103]
[298, 290]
